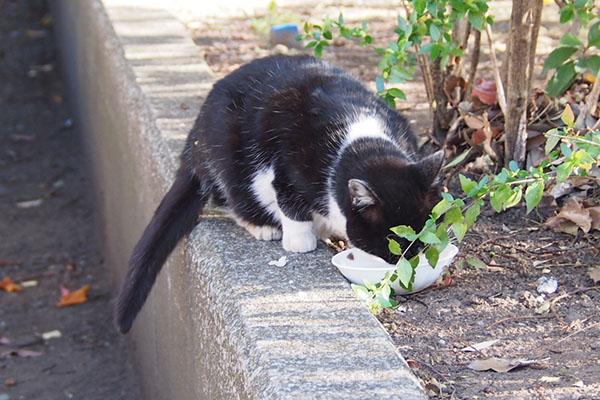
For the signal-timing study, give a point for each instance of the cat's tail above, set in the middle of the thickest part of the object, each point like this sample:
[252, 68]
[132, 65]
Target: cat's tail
[174, 218]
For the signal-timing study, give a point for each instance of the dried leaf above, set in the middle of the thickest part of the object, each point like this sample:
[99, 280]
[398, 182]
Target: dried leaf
[10, 382]
[20, 353]
[550, 379]
[544, 308]
[68, 298]
[30, 203]
[594, 273]
[595, 216]
[7, 262]
[473, 121]
[55, 334]
[480, 346]
[575, 213]
[9, 286]
[499, 364]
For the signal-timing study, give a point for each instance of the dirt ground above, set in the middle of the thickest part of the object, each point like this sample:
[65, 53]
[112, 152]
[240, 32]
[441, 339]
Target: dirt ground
[561, 348]
[48, 235]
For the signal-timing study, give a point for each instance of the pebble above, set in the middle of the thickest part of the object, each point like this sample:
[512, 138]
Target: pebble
[547, 285]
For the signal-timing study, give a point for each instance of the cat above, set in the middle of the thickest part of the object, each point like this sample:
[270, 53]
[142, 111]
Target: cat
[296, 149]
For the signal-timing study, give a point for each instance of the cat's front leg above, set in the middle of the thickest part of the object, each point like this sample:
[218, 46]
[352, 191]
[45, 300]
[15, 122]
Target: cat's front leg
[298, 236]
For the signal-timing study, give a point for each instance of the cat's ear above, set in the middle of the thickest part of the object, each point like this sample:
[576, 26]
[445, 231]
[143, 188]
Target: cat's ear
[430, 166]
[361, 195]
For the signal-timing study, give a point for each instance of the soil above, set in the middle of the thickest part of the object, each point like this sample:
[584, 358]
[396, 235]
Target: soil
[496, 300]
[48, 235]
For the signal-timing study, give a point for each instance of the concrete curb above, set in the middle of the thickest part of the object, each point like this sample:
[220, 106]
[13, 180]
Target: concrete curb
[220, 322]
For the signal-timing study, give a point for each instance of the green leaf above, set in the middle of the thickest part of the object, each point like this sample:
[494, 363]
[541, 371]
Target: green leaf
[515, 197]
[563, 171]
[558, 56]
[471, 214]
[380, 85]
[420, 5]
[476, 19]
[361, 291]
[495, 201]
[405, 232]
[370, 285]
[513, 166]
[394, 247]
[405, 273]
[458, 159]
[566, 150]
[328, 35]
[459, 229]
[562, 79]
[551, 141]
[476, 263]
[433, 255]
[435, 32]
[593, 63]
[570, 40]
[386, 291]
[397, 93]
[594, 35]
[443, 236]
[567, 116]
[466, 184]
[453, 215]
[566, 14]
[429, 237]
[584, 157]
[440, 208]
[533, 195]
[319, 50]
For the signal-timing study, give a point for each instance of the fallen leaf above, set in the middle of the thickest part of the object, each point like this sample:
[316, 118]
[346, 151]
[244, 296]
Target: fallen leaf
[30, 203]
[594, 273]
[28, 284]
[480, 346]
[473, 121]
[9, 263]
[9, 286]
[279, 263]
[22, 138]
[571, 218]
[20, 353]
[550, 379]
[499, 364]
[68, 298]
[10, 382]
[595, 215]
[544, 308]
[55, 334]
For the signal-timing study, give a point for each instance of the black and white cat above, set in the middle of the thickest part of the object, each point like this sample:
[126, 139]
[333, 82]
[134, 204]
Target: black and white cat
[297, 150]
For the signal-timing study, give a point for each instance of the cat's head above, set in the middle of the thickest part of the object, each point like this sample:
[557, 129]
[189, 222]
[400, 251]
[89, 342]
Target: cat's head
[396, 194]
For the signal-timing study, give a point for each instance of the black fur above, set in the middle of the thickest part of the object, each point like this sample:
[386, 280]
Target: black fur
[291, 114]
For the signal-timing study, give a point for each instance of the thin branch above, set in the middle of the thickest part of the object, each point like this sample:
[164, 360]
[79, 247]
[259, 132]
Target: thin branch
[499, 87]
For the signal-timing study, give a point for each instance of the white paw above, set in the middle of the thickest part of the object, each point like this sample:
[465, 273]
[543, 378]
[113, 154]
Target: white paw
[264, 232]
[299, 242]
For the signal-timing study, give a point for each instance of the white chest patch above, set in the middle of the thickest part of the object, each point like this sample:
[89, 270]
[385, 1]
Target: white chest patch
[334, 224]
[262, 187]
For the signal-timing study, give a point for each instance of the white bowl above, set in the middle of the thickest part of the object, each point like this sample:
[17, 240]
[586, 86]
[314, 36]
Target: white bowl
[372, 268]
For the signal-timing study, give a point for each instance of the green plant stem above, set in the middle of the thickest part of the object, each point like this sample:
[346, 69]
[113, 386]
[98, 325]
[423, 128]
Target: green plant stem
[574, 138]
